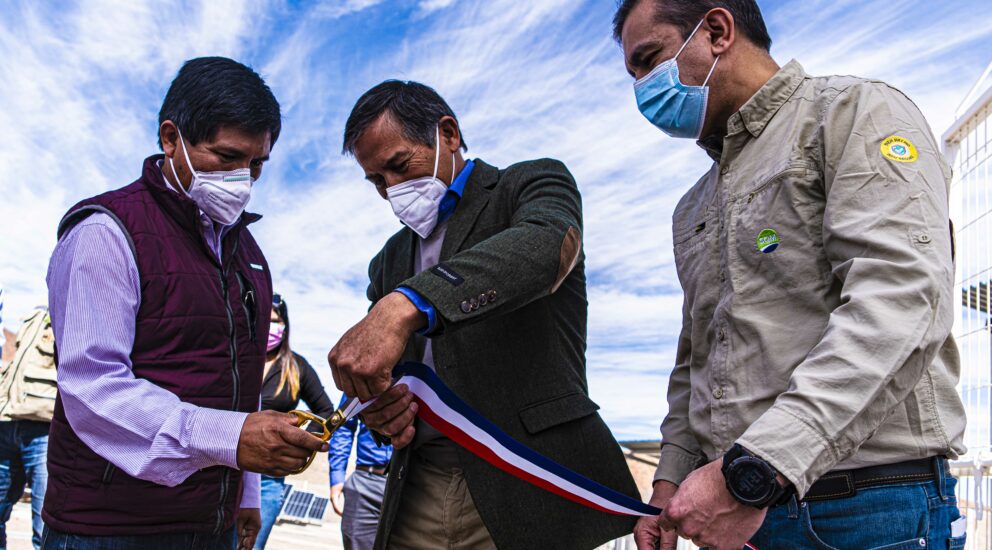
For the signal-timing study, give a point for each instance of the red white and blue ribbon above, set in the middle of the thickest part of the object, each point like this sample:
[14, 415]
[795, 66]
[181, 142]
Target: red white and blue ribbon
[448, 414]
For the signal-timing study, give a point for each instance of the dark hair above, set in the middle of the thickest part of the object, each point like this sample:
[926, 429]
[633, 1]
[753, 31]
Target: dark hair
[686, 14]
[211, 92]
[415, 107]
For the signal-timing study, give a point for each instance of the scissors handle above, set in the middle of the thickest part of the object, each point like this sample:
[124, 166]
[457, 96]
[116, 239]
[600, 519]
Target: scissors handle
[329, 426]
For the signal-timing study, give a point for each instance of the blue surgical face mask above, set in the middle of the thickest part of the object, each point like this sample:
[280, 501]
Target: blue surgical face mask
[676, 109]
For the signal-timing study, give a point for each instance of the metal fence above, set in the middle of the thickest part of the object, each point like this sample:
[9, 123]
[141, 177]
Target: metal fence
[974, 490]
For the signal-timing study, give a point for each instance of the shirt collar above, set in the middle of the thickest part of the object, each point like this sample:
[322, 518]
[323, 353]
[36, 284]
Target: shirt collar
[458, 186]
[755, 115]
[454, 193]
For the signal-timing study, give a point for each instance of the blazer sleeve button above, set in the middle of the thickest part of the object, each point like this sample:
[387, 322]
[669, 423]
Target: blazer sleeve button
[466, 307]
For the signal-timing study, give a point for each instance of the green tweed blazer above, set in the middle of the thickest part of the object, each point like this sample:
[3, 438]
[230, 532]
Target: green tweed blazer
[510, 296]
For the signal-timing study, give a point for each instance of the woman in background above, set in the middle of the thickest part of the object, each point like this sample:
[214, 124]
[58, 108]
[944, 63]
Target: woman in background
[287, 379]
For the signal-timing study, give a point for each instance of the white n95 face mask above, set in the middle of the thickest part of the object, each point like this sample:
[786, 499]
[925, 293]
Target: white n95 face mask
[222, 196]
[416, 202]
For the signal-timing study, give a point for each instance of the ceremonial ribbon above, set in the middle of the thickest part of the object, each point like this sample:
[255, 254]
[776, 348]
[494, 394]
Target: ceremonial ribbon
[448, 414]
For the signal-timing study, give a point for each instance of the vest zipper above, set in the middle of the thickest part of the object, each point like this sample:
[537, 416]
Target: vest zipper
[108, 473]
[235, 402]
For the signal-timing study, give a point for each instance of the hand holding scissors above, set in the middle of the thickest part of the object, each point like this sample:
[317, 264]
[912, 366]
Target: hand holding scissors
[306, 420]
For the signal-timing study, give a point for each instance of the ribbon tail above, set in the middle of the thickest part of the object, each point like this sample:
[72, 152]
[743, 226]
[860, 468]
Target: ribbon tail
[448, 414]
[451, 416]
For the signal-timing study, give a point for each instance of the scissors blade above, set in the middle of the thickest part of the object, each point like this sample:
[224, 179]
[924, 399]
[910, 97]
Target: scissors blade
[344, 413]
[349, 409]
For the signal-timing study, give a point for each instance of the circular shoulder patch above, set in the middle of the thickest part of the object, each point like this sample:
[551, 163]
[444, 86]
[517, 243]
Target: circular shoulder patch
[768, 241]
[899, 149]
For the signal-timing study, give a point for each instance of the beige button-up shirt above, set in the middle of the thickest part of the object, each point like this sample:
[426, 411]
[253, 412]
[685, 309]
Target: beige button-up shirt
[816, 261]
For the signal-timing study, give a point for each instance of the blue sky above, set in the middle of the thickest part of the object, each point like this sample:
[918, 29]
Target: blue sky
[82, 83]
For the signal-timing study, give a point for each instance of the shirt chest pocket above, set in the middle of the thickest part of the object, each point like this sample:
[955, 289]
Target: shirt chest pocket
[696, 253]
[778, 237]
[249, 302]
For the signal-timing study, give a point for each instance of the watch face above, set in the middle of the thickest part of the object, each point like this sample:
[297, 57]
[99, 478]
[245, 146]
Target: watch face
[752, 480]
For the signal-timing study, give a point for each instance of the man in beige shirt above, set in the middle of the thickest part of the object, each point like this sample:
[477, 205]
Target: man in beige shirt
[813, 403]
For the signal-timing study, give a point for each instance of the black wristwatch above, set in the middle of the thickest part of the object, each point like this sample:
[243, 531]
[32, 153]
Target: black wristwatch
[752, 481]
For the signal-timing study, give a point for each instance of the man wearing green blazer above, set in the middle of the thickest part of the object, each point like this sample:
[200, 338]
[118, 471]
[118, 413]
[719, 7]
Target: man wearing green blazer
[485, 284]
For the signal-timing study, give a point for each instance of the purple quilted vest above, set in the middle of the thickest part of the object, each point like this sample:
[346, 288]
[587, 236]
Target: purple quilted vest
[201, 333]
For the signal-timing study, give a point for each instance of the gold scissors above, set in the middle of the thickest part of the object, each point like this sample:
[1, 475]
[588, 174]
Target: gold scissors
[306, 419]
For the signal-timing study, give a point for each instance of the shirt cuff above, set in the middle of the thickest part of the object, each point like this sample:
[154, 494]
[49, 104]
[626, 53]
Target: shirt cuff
[676, 464]
[338, 477]
[424, 306]
[215, 435]
[791, 446]
[252, 495]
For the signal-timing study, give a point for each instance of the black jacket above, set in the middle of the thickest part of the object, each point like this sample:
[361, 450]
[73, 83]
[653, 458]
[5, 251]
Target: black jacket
[311, 391]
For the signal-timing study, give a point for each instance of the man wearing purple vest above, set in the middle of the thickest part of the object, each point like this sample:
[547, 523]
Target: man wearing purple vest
[160, 302]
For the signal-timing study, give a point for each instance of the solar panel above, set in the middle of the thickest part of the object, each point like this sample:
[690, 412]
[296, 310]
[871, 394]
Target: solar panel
[285, 496]
[317, 510]
[297, 505]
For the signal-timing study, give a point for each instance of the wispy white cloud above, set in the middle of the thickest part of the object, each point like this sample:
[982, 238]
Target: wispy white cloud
[428, 6]
[339, 8]
[934, 51]
[82, 87]
[78, 108]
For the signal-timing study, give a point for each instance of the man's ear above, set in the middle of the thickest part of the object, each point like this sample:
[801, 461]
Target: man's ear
[723, 30]
[169, 134]
[451, 135]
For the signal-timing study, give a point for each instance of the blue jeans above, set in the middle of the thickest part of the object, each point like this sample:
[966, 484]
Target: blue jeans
[55, 540]
[272, 493]
[908, 516]
[23, 454]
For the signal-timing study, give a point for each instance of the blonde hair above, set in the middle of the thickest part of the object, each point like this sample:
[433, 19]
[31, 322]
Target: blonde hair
[286, 361]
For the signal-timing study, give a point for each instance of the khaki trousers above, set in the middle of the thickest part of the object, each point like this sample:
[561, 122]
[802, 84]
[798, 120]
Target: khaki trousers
[436, 511]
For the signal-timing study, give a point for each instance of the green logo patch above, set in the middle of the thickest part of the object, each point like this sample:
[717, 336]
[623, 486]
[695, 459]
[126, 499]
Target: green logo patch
[768, 241]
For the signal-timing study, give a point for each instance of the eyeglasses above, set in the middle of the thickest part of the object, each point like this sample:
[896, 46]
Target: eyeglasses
[307, 420]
